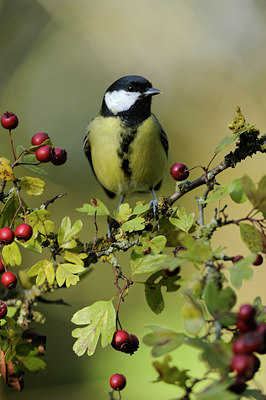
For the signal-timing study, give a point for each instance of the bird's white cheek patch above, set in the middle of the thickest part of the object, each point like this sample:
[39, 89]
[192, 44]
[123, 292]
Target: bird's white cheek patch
[120, 100]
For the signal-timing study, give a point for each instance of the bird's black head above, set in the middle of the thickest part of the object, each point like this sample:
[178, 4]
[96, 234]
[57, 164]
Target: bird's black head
[129, 98]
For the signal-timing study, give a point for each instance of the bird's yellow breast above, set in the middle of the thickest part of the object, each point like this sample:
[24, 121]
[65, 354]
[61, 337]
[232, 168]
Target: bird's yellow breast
[126, 159]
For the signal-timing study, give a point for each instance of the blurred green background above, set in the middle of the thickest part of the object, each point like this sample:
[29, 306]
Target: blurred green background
[57, 57]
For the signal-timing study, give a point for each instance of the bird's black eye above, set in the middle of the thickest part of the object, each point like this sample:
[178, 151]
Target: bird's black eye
[130, 88]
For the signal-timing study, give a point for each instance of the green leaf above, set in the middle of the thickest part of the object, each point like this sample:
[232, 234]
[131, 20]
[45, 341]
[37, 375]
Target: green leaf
[225, 142]
[241, 270]
[31, 159]
[74, 258]
[140, 208]
[32, 364]
[219, 301]
[124, 213]
[42, 270]
[171, 375]
[153, 289]
[40, 223]
[218, 391]
[95, 206]
[254, 394]
[67, 233]
[163, 340]
[135, 224]
[9, 210]
[11, 254]
[65, 273]
[197, 251]
[216, 355]
[261, 195]
[100, 320]
[193, 316]
[252, 238]
[236, 191]
[181, 220]
[249, 189]
[32, 186]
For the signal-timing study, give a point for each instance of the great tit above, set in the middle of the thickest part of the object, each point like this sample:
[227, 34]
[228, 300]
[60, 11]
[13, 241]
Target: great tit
[125, 144]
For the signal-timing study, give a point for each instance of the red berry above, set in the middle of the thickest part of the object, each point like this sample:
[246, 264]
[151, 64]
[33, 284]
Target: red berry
[23, 232]
[246, 312]
[121, 340]
[262, 332]
[238, 386]
[2, 266]
[134, 343]
[9, 120]
[39, 138]
[43, 153]
[117, 381]
[246, 326]
[58, 156]
[179, 171]
[3, 310]
[258, 260]
[248, 343]
[245, 365]
[9, 280]
[237, 258]
[6, 235]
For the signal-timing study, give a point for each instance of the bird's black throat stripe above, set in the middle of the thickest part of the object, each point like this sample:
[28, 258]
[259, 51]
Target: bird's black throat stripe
[126, 138]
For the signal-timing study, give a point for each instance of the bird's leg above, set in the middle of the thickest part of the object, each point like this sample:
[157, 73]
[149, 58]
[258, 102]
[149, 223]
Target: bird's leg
[122, 198]
[154, 203]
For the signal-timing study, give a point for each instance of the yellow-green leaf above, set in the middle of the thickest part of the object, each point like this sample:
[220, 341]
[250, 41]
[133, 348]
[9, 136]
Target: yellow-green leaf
[6, 172]
[32, 186]
[65, 273]
[11, 254]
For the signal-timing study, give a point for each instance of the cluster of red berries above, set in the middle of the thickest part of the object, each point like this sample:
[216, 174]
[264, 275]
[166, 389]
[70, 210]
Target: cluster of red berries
[125, 342]
[258, 260]
[46, 153]
[179, 171]
[23, 232]
[252, 338]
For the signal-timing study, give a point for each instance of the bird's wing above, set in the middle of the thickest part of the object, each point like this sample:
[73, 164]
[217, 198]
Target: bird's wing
[87, 149]
[163, 136]
[164, 141]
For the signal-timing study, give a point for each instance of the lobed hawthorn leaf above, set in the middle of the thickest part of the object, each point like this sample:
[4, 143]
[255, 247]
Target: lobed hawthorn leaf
[218, 300]
[9, 210]
[96, 206]
[123, 214]
[140, 208]
[40, 223]
[253, 239]
[234, 189]
[6, 171]
[181, 220]
[100, 320]
[261, 195]
[241, 270]
[42, 270]
[197, 251]
[32, 186]
[163, 340]
[216, 355]
[172, 375]
[153, 289]
[257, 197]
[66, 233]
[11, 254]
[65, 273]
[135, 224]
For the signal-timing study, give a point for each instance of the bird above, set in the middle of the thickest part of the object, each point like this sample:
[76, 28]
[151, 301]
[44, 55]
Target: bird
[125, 144]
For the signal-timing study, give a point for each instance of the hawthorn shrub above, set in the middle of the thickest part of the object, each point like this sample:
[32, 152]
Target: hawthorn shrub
[230, 341]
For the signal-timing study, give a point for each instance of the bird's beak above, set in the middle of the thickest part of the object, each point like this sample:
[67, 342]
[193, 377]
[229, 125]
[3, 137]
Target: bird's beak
[152, 92]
